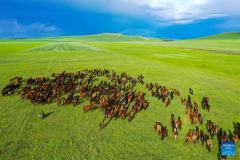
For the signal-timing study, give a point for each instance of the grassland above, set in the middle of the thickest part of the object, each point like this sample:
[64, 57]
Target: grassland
[63, 47]
[104, 37]
[219, 45]
[229, 42]
[68, 133]
[222, 36]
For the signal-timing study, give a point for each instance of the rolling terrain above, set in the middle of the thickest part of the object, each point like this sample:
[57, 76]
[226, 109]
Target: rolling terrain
[104, 37]
[226, 42]
[68, 133]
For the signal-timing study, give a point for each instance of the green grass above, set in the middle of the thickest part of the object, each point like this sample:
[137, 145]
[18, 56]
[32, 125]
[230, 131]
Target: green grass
[64, 47]
[68, 133]
[222, 36]
[221, 45]
[104, 37]
[229, 42]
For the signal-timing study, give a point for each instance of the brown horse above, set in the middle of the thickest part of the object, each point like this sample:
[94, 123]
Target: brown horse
[235, 137]
[209, 126]
[197, 134]
[129, 116]
[100, 106]
[189, 137]
[194, 138]
[166, 104]
[139, 108]
[163, 133]
[187, 110]
[168, 101]
[172, 118]
[191, 119]
[200, 120]
[203, 105]
[157, 127]
[101, 125]
[89, 107]
[195, 104]
[124, 114]
[144, 105]
[110, 115]
[191, 113]
[195, 120]
[209, 144]
[75, 102]
[175, 134]
[187, 116]
[207, 98]
[134, 111]
[59, 101]
[179, 124]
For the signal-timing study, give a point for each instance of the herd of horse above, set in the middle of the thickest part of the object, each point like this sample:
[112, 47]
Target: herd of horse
[114, 99]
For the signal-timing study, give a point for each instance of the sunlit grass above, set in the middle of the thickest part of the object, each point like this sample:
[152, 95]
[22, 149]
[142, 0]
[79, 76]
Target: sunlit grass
[68, 133]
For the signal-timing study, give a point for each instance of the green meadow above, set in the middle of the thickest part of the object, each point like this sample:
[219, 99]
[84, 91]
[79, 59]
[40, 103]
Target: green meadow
[68, 133]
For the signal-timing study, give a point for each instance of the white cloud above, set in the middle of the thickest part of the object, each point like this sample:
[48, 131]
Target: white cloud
[199, 2]
[14, 28]
[175, 11]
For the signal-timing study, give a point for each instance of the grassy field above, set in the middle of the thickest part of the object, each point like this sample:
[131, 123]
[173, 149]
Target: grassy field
[221, 45]
[63, 47]
[222, 36]
[68, 133]
[104, 37]
[229, 41]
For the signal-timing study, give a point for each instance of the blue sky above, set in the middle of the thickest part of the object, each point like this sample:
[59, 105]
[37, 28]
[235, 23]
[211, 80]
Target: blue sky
[177, 19]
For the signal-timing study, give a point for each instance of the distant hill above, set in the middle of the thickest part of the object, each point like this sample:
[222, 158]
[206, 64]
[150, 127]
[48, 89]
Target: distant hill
[104, 37]
[222, 36]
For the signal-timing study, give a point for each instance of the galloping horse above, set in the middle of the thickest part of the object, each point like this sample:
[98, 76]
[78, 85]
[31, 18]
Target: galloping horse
[129, 116]
[101, 125]
[179, 124]
[209, 144]
[175, 134]
[157, 127]
[194, 138]
[163, 133]
[189, 137]
[235, 137]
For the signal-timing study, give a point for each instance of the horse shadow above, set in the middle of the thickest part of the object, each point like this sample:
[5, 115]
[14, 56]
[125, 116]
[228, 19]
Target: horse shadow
[144, 94]
[230, 135]
[133, 116]
[48, 114]
[96, 79]
[219, 150]
[235, 126]
[206, 136]
[80, 101]
[147, 104]
[95, 108]
[105, 125]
